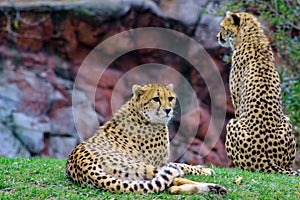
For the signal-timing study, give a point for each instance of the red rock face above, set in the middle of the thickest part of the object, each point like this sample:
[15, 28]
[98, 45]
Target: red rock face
[47, 54]
[34, 31]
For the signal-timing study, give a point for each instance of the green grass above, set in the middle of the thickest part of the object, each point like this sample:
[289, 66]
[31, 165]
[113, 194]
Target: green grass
[45, 179]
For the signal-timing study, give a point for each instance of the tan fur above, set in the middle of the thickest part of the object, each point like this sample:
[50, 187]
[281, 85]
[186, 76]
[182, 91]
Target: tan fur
[129, 153]
[260, 137]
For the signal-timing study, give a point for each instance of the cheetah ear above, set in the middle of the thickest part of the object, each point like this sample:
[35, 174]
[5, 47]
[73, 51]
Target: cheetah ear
[228, 14]
[137, 90]
[170, 86]
[233, 18]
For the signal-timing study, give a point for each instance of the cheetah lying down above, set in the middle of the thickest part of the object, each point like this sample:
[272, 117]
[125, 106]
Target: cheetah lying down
[129, 153]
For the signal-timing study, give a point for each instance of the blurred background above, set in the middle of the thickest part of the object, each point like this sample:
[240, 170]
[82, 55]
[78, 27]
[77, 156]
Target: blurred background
[43, 44]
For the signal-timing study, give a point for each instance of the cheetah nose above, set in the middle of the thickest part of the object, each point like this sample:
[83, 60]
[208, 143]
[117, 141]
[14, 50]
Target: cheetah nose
[167, 110]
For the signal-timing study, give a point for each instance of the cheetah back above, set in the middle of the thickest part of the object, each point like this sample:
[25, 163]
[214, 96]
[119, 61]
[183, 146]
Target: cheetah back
[259, 138]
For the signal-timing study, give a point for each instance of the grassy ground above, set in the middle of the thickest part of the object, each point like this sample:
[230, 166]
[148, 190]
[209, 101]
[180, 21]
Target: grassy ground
[45, 179]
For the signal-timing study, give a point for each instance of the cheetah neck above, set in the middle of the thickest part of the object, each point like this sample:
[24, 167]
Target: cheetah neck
[137, 135]
[250, 35]
[128, 116]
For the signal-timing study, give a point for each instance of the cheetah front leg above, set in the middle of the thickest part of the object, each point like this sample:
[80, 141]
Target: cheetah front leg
[284, 133]
[194, 170]
[183, 185]
[232, 139]
[192, 187]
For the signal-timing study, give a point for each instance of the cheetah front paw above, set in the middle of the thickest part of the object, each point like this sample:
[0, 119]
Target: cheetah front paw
[217, 189]
[205, 171]
[198, 188]
[208, 171]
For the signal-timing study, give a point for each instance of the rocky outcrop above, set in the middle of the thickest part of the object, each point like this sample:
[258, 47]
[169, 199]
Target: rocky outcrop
[61, 62]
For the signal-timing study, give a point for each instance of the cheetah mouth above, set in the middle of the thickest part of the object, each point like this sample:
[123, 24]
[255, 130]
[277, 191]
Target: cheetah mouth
[165, 116]
[168, 115]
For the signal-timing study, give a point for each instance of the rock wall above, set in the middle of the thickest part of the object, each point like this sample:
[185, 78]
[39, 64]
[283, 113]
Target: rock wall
[44, 45]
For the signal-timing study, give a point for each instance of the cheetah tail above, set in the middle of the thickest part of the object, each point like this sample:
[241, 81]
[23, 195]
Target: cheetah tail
[295, 172]
[160, 182]
[276, 168]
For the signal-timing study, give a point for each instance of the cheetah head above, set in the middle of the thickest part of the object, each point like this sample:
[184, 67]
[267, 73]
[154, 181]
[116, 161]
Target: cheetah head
[229, 29]
[154, 102]
[232, 24]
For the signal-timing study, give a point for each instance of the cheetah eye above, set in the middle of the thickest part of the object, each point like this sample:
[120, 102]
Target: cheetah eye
[171, 99]
[156, 99]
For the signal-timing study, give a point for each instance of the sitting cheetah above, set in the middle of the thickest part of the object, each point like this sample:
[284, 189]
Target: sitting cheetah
[129, 153]
[260, 137]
